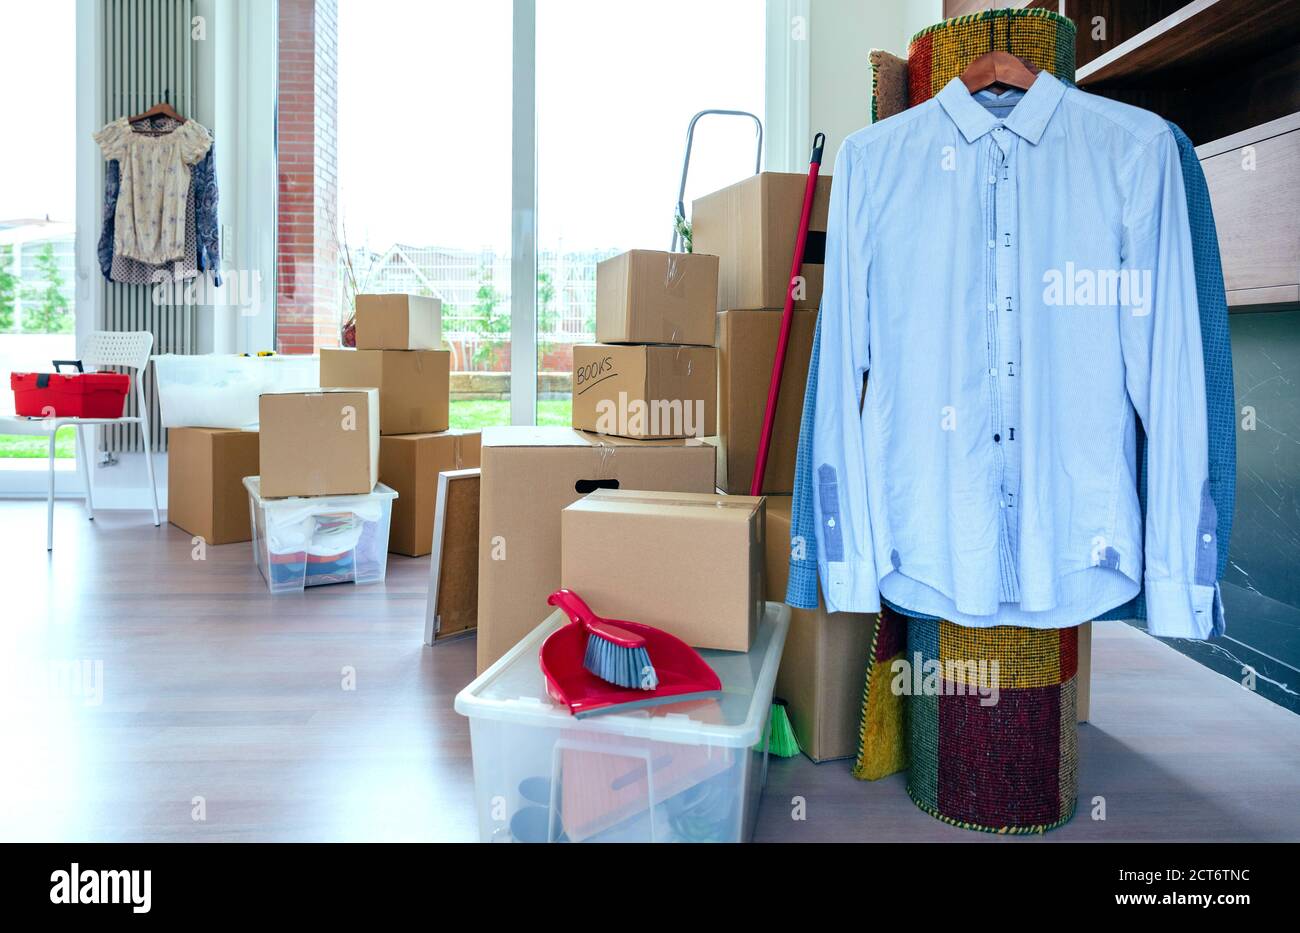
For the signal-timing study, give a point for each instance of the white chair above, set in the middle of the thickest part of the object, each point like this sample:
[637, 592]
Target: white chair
[127, 349]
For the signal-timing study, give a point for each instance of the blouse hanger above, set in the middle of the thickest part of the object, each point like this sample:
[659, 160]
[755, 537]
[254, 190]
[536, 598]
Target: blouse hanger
[161, 109]
[999, 68]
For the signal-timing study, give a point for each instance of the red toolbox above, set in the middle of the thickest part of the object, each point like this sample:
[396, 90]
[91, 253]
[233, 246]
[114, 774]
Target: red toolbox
[69, 395]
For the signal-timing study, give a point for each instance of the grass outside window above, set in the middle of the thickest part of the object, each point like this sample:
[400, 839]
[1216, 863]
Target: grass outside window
[469, 414]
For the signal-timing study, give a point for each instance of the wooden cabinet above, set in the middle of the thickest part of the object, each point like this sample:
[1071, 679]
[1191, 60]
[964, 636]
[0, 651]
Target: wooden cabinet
[1254, 181]
[953, 8]
[1228, 73]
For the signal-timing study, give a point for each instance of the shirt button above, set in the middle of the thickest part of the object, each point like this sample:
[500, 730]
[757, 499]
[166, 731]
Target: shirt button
[830, 523]
[993, 180]
[997, 438]
[1206, 538]
[992, 244]
[992, 306]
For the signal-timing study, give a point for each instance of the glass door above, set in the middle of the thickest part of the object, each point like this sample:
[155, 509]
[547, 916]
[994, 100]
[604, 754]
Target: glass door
[412, 98]
[38, 304]
[611, 133]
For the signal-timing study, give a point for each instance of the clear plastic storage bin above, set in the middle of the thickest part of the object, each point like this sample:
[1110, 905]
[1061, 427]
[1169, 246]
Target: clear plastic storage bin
[687, 772]
[300, 542]
[220, 390]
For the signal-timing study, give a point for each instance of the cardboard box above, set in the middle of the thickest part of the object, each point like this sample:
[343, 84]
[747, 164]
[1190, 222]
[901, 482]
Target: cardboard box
[645, 391]
[746, 347]
[824, 666]
[751, 227]
[645, 296]
[399, 322]
[410, 464]
[322, 442]
[205, 482]
[529, 475]
[688, 563]
[414, 385]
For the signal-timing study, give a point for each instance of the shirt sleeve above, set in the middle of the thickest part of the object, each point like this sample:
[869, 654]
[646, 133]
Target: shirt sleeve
[1160, 336]
[112, 139]
[194, 141]
[844, 550]
[801, 585]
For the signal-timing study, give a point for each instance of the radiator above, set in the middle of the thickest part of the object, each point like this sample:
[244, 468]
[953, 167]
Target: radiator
[148, 57]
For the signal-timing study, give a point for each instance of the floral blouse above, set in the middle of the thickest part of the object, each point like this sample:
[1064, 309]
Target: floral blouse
[202, 227]
[154, 187]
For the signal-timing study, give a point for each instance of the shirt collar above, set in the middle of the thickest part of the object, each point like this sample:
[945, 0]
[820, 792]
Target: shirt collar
[1027, 120]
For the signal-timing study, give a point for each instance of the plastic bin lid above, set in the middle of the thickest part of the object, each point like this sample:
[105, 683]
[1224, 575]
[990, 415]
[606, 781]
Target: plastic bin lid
[254, 485]
[513, 690]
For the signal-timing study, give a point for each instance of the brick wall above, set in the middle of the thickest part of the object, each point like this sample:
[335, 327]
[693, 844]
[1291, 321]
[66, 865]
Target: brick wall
[307, 281]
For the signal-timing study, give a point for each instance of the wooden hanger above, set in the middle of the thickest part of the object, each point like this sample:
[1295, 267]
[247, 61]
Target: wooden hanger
[998, 68]
[161, 109]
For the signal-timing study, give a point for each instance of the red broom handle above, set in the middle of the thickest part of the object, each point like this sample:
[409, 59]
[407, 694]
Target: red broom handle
[787, 316]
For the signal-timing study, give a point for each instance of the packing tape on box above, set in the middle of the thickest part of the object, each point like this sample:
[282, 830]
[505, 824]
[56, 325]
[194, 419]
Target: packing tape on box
[722, 502]
[605, 467]
[675, 274]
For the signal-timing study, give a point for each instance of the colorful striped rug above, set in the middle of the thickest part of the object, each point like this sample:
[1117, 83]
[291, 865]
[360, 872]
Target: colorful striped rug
[992, 735]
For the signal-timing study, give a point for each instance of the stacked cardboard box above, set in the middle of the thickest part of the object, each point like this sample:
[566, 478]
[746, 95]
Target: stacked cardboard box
[318, 442]
[399, 340]
[530, 474]
[205, 482]
[399, 351]
[410, 464]
[653, 371]
[751, 226]
[690, 564]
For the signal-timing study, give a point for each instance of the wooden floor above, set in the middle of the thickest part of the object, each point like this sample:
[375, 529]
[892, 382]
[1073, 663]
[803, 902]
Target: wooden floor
[222, 702]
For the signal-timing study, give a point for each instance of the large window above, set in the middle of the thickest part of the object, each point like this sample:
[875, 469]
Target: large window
[609, 167]
[37, 204]
[398, 162]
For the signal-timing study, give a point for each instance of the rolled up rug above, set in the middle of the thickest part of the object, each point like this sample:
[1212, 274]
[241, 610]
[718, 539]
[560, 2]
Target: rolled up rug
[935, 56]
[992, 736]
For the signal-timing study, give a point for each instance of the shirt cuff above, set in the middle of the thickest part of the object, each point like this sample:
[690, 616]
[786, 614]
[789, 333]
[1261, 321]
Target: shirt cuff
[850, 587]
[1182, 610]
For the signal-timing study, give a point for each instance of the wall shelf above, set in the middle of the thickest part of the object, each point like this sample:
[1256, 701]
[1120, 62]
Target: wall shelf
[1201, 33]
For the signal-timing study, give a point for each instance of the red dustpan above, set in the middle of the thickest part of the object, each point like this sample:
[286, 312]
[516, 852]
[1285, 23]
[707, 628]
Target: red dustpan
[682, 674]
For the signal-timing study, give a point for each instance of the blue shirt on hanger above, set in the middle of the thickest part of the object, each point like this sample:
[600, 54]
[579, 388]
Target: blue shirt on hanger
[1018, 280]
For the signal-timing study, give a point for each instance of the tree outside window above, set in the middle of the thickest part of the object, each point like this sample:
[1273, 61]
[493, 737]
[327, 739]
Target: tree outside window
[8, 289]
[45, 306]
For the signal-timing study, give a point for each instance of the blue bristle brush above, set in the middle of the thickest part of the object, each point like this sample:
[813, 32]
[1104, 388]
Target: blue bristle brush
[618, 656]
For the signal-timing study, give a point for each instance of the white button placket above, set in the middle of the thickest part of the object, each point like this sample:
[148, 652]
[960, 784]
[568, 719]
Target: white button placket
[1004, 350]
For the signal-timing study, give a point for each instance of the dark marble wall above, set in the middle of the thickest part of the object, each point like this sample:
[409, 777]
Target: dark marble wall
[1265, 549]
[1261, 586]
